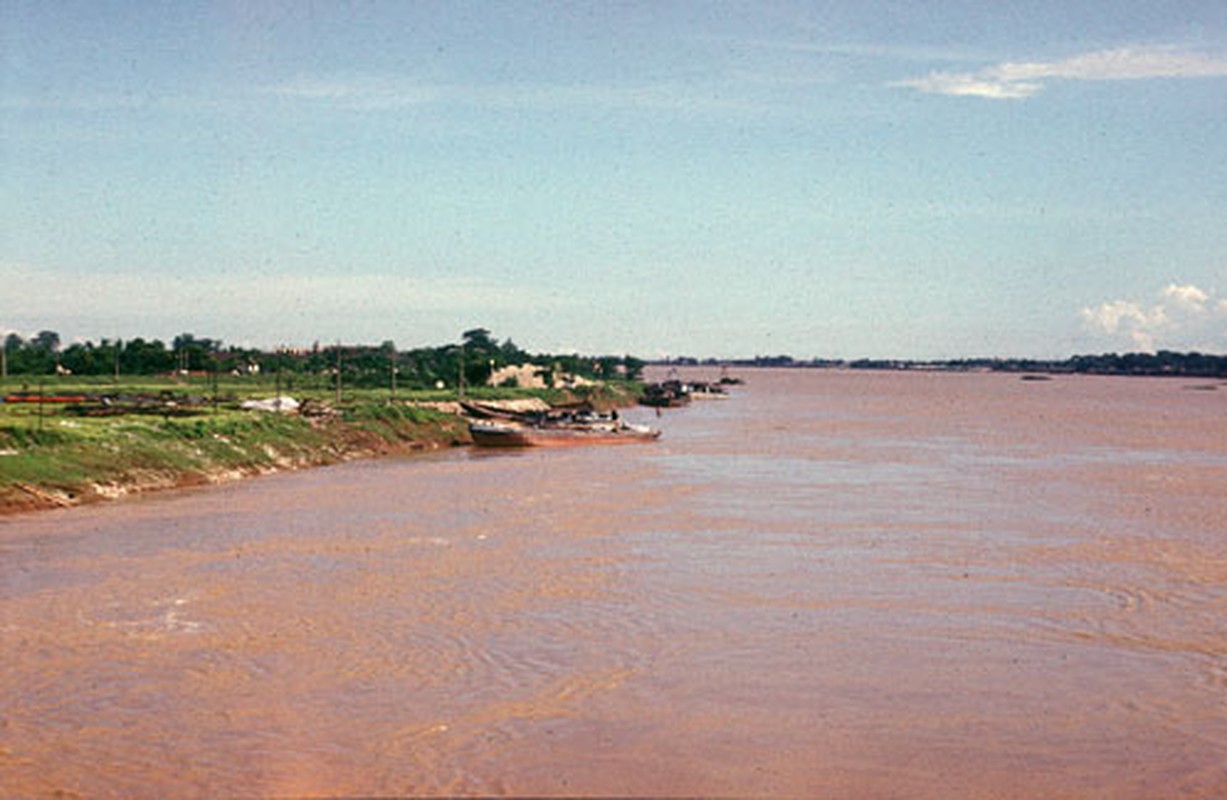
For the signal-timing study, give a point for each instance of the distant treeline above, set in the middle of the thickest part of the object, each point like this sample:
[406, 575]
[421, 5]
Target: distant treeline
[475, 357]
[1164, 362]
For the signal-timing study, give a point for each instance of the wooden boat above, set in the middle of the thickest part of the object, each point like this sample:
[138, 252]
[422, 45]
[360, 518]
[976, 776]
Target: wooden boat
[708, 391]
[478, 410]
[44, 398]
[670, 394]
[495, 433]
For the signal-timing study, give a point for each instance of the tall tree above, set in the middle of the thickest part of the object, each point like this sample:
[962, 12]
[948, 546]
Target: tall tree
[46, 340]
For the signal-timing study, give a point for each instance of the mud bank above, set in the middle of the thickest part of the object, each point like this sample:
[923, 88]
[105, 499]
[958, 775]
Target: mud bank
[70, 463]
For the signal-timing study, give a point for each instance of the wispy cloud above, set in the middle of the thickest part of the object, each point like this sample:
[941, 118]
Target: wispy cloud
[891, 52]
[366, 93]
[1183, 317]
[390, 93]
[1015, 80]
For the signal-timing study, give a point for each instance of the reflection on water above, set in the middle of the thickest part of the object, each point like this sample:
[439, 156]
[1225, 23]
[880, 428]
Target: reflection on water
[862, 584]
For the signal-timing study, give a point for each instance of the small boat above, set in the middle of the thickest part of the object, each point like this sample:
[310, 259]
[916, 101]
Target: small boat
[478, 410]
[495, 433]
[708, 391]
[669, 394]
[44, 398]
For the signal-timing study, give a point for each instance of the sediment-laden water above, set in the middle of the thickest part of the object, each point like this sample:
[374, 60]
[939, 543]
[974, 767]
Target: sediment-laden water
[839, 583]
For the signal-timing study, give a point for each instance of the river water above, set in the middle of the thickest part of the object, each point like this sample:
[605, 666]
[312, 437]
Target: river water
[840, 583]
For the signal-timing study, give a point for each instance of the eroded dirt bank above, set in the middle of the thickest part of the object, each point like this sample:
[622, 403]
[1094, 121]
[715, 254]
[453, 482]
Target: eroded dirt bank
[64, 471]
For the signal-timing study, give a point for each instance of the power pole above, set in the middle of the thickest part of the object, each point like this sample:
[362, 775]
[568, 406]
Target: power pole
[338, 372]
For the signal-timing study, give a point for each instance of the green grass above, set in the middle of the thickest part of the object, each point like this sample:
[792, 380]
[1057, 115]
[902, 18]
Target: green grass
[254, 386]
[54, 449]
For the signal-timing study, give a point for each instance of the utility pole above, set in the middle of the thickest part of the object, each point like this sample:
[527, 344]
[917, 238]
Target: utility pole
[338, 372]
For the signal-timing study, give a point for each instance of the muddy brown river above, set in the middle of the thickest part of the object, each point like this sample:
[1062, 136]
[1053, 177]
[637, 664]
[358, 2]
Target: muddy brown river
[847, 584]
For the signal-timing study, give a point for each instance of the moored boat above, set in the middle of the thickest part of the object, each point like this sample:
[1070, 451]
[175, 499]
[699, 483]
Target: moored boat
[669, 394]
[708, 391]
[495, 433]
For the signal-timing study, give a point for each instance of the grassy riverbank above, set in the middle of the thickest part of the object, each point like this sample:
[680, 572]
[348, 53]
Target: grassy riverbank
[57, 455]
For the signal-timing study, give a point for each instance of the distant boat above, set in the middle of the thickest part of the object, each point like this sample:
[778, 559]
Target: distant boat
[496, 433]
[708, 391]
[670, 394]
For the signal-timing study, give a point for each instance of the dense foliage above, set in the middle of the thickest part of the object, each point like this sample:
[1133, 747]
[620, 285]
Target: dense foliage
[472, 360]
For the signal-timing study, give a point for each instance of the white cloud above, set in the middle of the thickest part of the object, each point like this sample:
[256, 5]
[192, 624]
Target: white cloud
[968, 84]
[1187, 297]
[1015, 80]
[1184, 317]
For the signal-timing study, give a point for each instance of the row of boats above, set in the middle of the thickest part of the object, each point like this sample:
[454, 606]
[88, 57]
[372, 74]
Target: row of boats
[494, 426]
[674, 393]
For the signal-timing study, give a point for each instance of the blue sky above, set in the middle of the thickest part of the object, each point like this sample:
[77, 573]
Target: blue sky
[833, 179]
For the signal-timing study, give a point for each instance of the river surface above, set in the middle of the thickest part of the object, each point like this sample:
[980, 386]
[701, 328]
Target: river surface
[848, 584]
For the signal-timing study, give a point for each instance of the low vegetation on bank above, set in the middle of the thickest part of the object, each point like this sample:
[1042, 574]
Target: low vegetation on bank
[68, 438]
[68, 453]
[52, 456]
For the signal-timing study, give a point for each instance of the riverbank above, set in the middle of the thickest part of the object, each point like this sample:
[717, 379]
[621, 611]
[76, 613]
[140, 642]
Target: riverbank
[69, 461]
[52, 456]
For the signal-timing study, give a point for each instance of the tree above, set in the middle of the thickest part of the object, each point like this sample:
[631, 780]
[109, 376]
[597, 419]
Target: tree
[481, 354]
[634, 367]
[192, 353]
[140, 357]
[478, 339]
[46, 340]
[511, 354]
